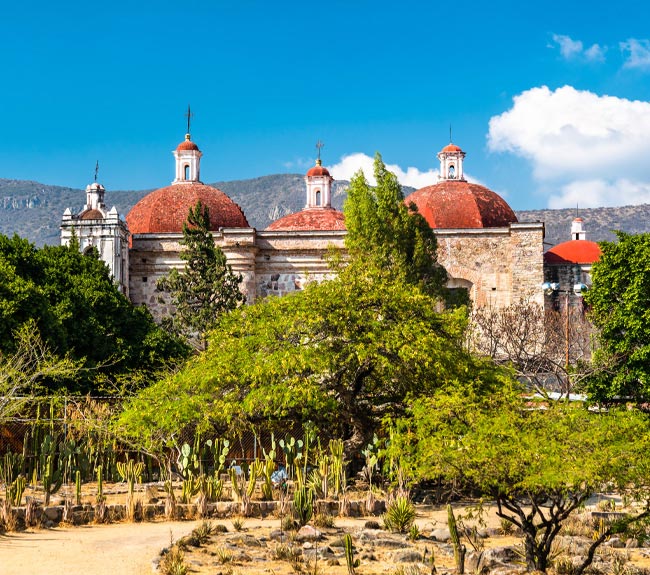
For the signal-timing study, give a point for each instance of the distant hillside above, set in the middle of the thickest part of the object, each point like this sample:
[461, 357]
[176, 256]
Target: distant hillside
[33, 210]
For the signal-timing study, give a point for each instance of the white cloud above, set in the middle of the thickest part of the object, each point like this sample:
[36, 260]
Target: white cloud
[568, 47]
[591, 150]
[576, 134]
[637, 52]
[598, 193]
[571, 49]
[350, 164]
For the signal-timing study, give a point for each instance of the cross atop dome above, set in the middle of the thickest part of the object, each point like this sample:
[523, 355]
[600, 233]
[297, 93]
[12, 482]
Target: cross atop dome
[451, 163]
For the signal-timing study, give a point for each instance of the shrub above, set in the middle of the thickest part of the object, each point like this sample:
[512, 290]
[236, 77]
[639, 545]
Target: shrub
[400, 515]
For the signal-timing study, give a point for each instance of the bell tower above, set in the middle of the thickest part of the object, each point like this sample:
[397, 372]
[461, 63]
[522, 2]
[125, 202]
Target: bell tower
[319, 184]
[188, 159]
[451, 163]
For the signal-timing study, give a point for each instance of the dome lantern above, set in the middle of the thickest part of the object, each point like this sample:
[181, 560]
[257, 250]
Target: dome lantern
[451, 163]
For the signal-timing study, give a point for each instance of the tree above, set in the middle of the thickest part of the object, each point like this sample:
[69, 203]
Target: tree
[29, 366]
[382, 229]
[538, 464]
[72, 301]
[546, 349]
[620, 309]
[207, 287]
[344, 354]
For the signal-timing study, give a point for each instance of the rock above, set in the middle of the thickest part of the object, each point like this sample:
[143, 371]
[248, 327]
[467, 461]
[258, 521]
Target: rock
[408, 557]
[332, 562]
[615, 542]
[391, 543]
[372, 525]
[308, 533]
[53, 513]
[366, 535]
[632, 543]
[500, 555]
[441, 534]
[278, 535]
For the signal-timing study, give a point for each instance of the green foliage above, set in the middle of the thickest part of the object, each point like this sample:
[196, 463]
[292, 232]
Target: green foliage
[350, 561]
[382, 230]
[342, 354]
[71, 300]
[400, 515]
[538, 464]
[459, 548]
[619, 302]
[207, 287]
[303, 504]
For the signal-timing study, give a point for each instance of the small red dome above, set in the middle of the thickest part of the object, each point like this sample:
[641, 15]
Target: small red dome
[165, 210]
[187, 144]
[451, 148]
[574, 252]
[91, 215]
[318, 170]
[321, 219]
[459, 204]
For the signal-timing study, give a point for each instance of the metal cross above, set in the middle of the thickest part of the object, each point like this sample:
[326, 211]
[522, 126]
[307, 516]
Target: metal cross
[188, 115]
[319, 145]
[96, 170]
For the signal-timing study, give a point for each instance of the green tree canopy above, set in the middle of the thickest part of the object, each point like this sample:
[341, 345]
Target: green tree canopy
[382, 229]
[538, 464]
[207, 287]
[72, 301]
[344, 354]
[619, 302]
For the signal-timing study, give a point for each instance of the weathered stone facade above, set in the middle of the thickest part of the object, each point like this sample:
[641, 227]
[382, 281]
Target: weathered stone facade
[498, 266]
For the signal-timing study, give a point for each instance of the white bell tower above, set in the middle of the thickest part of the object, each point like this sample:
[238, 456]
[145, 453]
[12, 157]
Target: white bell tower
[188, 159]
[319, 184]
[451, 163]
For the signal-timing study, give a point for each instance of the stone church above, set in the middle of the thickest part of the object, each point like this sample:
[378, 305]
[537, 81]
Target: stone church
[480, 242]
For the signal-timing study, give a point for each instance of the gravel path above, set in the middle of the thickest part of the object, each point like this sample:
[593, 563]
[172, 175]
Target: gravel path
[117, 549]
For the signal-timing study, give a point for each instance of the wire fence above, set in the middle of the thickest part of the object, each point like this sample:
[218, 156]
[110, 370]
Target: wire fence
[76, 429]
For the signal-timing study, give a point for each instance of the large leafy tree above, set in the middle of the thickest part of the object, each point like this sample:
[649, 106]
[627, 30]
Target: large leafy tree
[207, 287]
[539, 465]
[619, 302]
[344, 353]
[71, 300]
[383, 229]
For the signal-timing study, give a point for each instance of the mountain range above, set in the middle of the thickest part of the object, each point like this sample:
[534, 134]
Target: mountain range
[33, 210]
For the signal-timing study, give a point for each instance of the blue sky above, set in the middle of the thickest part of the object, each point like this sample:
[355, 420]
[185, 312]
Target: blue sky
[550, 100]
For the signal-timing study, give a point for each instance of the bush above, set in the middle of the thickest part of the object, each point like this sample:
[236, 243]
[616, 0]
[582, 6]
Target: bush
[400, 515]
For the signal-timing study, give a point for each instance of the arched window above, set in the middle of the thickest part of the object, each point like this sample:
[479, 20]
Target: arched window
[186, 169]
[318, 197]
[452, 172]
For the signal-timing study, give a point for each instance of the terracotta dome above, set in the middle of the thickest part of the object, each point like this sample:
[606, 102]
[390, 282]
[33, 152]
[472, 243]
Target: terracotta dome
[165, 210]
[91, 215]
[321, 219]
[459, 204]
[574, 252]
[187, 144]
[318, 170]
[451, 148]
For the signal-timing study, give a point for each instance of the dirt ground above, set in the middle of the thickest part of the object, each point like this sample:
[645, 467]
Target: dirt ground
[116, 549]
[131, 548]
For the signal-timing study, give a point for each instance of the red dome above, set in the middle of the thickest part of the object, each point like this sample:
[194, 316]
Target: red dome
[574, 252]
[459, 204]
[318, 170]
[451, 148]
[187, 144]
[323, 219]
[165, 210]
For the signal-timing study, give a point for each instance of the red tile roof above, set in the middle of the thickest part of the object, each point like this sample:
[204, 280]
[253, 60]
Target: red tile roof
[165, 210]
[187, 144]
[318, 171]
[459, 204]
[451, 148]
[574, 252]
[322, 219]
